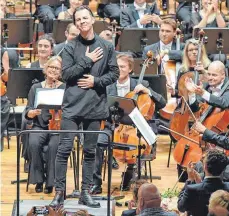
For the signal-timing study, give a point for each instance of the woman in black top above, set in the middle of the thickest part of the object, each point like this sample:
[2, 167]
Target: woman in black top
[44, 48]
[52, 71]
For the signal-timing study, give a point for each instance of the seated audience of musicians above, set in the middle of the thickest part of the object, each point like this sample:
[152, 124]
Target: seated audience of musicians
[165, 49]
[45, 46]
[124, 85]
[68, 14]
[140, 15]
[209, 16]
[194, 198]
[40, 118]
[149, 202]
[70, 33]
[219, 203]
[189, 62]
[209, 93]
[46, 13]
[5, 104]
[132, 204]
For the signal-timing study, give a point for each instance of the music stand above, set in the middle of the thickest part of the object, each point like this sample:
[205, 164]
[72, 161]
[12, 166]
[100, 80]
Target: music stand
[156, 82]
[59, 26]
[215, 36]
[16, 29]
[21, 80]
[135, 39]
[152, 69]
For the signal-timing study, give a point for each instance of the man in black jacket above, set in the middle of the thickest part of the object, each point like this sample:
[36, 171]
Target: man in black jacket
[194, 198]
[140, 15]
[124, 85]
[89, 65]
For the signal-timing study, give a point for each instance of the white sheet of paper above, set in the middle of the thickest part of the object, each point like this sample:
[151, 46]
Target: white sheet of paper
[49, 97]
[143, 126]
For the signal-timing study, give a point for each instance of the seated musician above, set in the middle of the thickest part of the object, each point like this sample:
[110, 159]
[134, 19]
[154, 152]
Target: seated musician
[45, 45]
[4, 13]
[41, 117]
[209, 16]
[209, 93]
[124, 85]
[70, 33]
[189, 62]
[165, 49]
[140, 15]
[68, 14]
[5, 104]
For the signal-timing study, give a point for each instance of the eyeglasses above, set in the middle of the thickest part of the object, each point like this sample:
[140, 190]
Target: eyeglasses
[54, 68]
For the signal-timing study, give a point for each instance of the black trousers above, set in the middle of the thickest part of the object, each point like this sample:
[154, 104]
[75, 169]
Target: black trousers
[42, 154]
[65, 147]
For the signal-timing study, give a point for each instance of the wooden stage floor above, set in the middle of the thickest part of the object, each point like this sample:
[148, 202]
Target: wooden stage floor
[8, 173]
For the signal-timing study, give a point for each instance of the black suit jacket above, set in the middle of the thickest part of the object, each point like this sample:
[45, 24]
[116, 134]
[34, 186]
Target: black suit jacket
[194, 198]
[159, 100]
[130, 16]
[58, 48]
[215, 101]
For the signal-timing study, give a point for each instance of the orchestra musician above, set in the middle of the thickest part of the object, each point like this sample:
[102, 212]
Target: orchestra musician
[216, 81]
[45, 48]
[165, 49]
[89, 65]
[68, 14]
[140, 15]
[123, 85]
[189, 62]
[5, 104]
[209, 16]
[40, 118]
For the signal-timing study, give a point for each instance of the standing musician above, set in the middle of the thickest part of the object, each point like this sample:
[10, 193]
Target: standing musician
[189, 62]
[45, 48]
[124, 85]
[40, 118]
[140, 15]
[89, 65]
[209, 16]
[5, 104]
[165, 49]
[216, 80]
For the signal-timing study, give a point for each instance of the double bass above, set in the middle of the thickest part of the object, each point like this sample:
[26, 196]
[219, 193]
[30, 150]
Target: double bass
[125, 134]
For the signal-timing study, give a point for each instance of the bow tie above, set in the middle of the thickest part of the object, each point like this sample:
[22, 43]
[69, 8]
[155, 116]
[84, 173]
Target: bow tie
[120, 87]
[213, 90]
[164, 47]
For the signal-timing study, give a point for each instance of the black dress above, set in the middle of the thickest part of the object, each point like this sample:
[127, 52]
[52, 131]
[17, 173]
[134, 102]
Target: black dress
[39, 153]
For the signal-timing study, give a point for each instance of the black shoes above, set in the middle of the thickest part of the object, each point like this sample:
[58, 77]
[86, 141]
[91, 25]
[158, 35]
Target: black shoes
[48, 190]
[85, 199]
[58, 200]
[95, 189]
[39, 187]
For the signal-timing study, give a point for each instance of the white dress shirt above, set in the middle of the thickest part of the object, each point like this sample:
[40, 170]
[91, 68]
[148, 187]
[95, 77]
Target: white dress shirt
[140, 10]
[123, 88]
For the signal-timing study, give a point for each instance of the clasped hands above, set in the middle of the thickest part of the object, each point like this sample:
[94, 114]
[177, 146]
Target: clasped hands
[192, 87]
[148, 18]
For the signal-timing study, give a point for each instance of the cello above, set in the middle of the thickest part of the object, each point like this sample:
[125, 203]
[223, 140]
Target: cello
[180, 118]
[125, 134]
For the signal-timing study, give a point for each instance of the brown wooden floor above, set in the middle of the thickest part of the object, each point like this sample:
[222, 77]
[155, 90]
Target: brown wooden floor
[8, 173]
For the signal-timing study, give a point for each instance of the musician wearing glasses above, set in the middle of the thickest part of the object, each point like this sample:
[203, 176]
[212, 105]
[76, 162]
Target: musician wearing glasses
[40, 119]
[140, 15]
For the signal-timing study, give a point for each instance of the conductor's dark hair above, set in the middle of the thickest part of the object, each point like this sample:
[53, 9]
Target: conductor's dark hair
[80, 8]
[215, 162]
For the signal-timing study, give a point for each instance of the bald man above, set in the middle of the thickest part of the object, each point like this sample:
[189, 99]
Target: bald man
[149, 202]
[210, 92]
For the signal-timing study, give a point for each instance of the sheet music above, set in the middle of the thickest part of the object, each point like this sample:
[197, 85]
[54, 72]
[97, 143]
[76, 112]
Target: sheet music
[143, 126]
[53, 97]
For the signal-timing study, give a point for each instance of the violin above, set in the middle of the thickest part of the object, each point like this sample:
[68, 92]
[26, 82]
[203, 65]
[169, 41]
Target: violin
[181, 116]
[125, 134]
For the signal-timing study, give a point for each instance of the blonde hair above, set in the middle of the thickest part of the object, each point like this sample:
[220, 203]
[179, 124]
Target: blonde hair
[170, 22]
[186, 62]
[128, 58]
[219, 198]
[52, 59]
